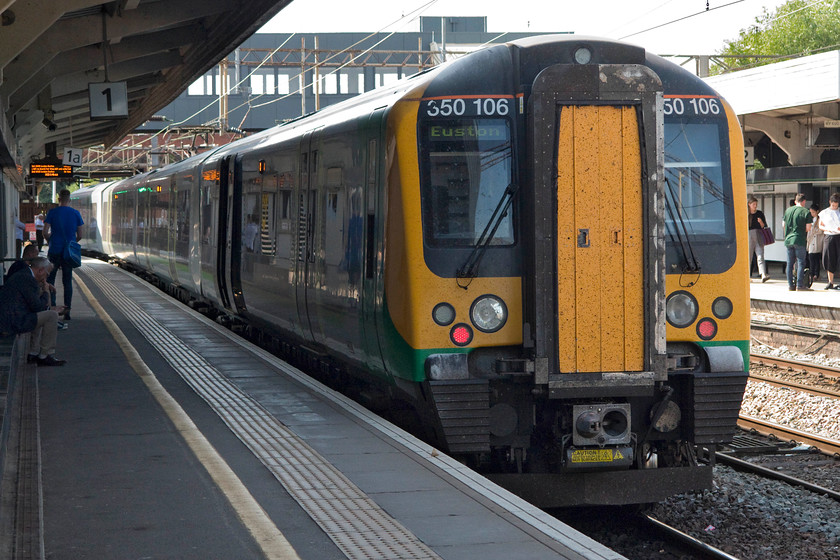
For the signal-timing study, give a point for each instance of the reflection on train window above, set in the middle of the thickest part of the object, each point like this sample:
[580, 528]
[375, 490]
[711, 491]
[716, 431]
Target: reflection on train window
[258, 223]
[93, 227]
[467, 167]
[698, 201]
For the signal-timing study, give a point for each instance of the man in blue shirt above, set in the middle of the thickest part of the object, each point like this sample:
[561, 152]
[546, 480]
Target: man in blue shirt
[62, 225]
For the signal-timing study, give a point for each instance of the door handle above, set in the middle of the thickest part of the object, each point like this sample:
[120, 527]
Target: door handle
[583, 237]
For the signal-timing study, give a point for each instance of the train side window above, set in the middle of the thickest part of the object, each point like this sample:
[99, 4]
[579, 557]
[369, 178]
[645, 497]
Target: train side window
[266, 222]
[260, 183]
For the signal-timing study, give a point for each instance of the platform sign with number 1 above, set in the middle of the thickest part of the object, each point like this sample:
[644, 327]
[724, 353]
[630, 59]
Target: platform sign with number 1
[108, 100]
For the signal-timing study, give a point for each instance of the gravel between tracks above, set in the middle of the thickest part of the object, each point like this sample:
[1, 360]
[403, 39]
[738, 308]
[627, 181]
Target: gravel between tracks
[748, 516]
[808, 413]
[754, 518]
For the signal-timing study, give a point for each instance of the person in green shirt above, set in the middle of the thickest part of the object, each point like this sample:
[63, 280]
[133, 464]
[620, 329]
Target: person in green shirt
[797, 219]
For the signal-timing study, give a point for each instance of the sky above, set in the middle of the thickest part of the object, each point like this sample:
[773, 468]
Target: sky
[651, 24]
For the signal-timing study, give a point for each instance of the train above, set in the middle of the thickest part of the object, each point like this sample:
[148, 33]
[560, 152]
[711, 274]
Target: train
[529, 254]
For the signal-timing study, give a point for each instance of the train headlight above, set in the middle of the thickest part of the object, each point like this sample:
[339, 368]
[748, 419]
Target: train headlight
[722, 308]
[681, 309]
[583, 55]
[443, 314]
[488, 313]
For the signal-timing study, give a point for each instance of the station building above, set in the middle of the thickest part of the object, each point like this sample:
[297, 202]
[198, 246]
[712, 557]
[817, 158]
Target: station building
[790, 117]
[272, 78]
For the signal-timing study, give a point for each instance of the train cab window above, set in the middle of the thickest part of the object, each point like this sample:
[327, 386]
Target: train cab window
[699, 217]
[466, 170]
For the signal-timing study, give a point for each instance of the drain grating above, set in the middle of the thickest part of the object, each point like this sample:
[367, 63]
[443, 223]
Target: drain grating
[746, 443]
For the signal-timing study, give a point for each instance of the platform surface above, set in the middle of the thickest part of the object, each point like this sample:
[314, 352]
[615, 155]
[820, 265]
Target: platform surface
[773, 296]
[167, 436]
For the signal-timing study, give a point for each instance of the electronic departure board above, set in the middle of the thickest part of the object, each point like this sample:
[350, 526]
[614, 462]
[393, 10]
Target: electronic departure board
[43, 170]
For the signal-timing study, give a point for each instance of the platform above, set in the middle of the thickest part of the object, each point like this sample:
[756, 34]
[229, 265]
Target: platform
[774, 296]
[167, 436]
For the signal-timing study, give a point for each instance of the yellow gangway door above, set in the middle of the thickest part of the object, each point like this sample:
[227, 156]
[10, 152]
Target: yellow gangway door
[600, 272]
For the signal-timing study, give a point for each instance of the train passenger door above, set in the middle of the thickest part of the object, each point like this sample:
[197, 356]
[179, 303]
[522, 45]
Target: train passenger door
[305, 238]
[595, 276]
[226, 232]
[373, 236]
[231, 191]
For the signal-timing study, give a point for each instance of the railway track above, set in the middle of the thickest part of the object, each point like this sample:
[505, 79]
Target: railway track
[784, 433]
[793, 365]
[810, 389]
[703, 550]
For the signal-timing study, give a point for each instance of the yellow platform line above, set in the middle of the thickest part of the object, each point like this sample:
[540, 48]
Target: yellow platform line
[269, 538]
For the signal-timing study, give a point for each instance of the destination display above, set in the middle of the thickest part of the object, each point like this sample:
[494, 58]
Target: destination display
[41, 170]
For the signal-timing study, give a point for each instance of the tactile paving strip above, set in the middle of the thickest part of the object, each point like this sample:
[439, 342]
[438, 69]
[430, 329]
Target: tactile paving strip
[359, 527]
[20, 527]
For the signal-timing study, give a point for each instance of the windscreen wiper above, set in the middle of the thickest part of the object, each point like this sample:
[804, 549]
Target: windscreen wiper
[680, 230]
[469, 269]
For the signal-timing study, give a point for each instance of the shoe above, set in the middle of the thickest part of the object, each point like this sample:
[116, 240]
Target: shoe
[791, 288]
[804, 290]
[829, 287]
[61, 326]
[67, 314]
[32, 358]
[50, 361]
[836, 287]
[765, 278]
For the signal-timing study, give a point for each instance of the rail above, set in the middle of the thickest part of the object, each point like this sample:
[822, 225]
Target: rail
[784, 433]
[741, 465]
[818, 391]
[707, 550]
[792, 365]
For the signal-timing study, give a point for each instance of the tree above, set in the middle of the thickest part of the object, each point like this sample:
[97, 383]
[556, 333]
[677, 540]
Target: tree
[796, 28]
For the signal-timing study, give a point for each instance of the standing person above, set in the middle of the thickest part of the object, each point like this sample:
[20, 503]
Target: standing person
[25, 307]
[20, 229]
[829, 222]
[796, 221]
[249, 235]
[757, 223]
[62, 225]
[39, 230]
[816, 238]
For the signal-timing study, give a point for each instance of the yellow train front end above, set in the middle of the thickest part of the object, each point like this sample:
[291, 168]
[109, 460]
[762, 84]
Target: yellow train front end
[565, 282]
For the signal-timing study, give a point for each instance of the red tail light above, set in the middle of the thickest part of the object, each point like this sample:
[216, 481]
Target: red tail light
[461, 334]
[706, 329]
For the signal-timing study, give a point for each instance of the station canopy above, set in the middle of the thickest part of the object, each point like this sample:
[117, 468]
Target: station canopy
[79, 73]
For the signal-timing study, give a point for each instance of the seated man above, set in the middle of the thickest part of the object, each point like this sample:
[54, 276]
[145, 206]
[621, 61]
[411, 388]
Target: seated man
[29, 252]
[25, 307]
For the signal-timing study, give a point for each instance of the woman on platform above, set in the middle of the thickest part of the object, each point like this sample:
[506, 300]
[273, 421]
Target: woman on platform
[830, 225]
[757, 223]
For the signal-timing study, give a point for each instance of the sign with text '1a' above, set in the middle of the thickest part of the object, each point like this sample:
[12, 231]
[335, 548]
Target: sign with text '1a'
[108, 100]
[72, 157]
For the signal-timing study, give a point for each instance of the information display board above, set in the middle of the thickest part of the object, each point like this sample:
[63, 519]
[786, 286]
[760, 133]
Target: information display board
[49, 170]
